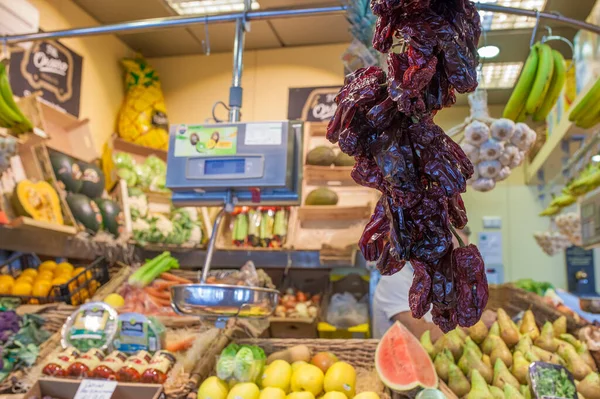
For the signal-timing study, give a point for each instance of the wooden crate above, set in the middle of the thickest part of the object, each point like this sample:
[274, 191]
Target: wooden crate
[284, 327]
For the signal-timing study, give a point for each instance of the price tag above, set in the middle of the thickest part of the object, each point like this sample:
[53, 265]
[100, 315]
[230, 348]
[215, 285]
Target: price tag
[95, 389]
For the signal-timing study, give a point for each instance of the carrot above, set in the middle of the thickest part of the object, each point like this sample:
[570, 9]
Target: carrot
[157, 293]
[161, 303]
[181, 345]
[177, 279]
[163, 285]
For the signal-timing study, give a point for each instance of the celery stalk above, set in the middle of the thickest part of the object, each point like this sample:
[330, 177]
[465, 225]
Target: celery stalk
[136, 277]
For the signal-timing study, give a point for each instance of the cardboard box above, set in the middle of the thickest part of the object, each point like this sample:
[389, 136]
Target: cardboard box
[66, 389]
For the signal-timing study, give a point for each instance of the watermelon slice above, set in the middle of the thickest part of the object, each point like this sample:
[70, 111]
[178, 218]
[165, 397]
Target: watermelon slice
[401, 361]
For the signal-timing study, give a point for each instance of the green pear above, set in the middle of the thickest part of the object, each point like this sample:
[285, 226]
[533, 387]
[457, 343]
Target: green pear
[486, 360]
[457, 382]
[547, 357]
[427, 344]
[582, 350]
[470, 344]
[501, 351]
[495, 329]
[478, 332]
[525, 391]
[471, 360]
[579, 395]
[454, 343]
[479, 388]
[511, 392]
[461, 333]
[589, 387]
[574, 363]
[497, 393]
[502, 376]
[491, 342]
[508, 330]
[442, 364]
[524, 345]
[520, 367]
[531, 357]
[546, 339]
[559, 326]
[528, 326]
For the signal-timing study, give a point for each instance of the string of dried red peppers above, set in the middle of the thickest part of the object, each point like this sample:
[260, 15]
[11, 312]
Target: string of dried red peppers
[386, 122]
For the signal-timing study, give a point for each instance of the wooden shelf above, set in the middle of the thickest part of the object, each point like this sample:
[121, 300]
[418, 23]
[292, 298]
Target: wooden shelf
[551, 155]
[28, 224]
[317, 129]
[333, 212]
[319, 174]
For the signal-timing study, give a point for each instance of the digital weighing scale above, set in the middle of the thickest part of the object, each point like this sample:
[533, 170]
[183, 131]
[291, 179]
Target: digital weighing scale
[232, 164]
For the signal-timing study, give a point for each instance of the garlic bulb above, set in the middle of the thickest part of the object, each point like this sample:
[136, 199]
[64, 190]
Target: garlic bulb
[489, 169]
[517, 160]
[490, 150]
[484, 184]
[508, 154]
[502, 129]
[477, 133]
[471, 151]
[524, 137]
[503, 174]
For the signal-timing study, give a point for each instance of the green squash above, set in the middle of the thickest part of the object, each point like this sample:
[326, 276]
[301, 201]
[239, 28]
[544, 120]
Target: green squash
[112, 216]
[85, 211]
[67, 172]
[93, 180]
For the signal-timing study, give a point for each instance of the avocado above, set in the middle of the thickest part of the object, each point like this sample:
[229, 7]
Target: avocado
[112, 217]
[343, 160]
[85, 211]
[321, 196]
[320, 156]
[67, 172]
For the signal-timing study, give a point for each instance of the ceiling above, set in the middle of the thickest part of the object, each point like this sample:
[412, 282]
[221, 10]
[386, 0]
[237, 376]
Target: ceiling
[300, 31]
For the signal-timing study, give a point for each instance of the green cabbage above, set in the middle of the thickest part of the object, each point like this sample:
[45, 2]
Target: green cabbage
[226, 362]
[128, 175]
[144, 176]
[123, 160]
[157, 165]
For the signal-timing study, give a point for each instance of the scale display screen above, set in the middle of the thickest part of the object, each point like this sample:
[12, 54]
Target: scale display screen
[224, 166]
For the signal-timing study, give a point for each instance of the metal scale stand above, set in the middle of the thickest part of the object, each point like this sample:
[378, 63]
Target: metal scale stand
[232, 164]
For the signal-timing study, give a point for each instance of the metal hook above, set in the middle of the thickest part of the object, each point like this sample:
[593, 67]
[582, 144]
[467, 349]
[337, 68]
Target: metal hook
[206, 41]
[535, 28]
[552, 37]
[5, 54]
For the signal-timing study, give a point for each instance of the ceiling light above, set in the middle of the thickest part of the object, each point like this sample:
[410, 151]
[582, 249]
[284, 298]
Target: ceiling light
[596, 158]
[488, 51]
[499, 21]
[209, 7]
[499, 75]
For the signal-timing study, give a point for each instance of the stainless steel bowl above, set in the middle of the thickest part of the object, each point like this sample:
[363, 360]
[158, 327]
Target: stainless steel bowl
[221, 300]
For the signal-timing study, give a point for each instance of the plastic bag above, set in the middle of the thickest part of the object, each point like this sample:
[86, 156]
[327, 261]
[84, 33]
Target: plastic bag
[345, 311]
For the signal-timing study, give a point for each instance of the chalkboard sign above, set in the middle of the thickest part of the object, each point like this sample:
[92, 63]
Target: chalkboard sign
[312, 104]
[580, 270]
[53, 69]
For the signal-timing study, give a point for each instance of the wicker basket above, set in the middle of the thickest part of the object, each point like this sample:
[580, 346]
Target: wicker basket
[514, 300]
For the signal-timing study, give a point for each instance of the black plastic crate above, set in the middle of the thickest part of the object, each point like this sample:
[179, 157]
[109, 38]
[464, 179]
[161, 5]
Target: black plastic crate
[74, 292]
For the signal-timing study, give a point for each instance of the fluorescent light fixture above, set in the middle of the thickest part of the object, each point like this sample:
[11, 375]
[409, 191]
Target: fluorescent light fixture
[488, 51]
[499, 21]
[596, 158]
[499, 75]
[209, 7]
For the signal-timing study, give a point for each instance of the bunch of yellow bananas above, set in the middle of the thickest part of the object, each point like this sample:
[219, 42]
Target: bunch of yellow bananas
[588, 180]
[11, 116]
[586, 113]
[539, 86]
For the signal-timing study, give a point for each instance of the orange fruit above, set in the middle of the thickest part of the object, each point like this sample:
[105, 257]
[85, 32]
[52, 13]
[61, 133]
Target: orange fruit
[21, 288]
[6, 287]
[48, 265]
[45, 275]
[27, 279]
[30, 272]
[83, 275]
[64, 267]
[93, 287]
[41, 288]
[7, 278]
[59, 281]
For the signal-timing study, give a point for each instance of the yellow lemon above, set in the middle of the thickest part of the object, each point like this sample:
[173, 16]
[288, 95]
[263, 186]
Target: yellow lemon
[6, 287]
[272, 393]
[308, 378]
[41, 288]
[335, 395]
[340, 377]
[64, 266]
[48, 265]
[59, 281]
[27, 279]
[365, 395]
[277, 375]
[21, 288]
[114, 300]
[244, 390]
[300, 395]
[296, 365]
[213, 388]
[30, 272]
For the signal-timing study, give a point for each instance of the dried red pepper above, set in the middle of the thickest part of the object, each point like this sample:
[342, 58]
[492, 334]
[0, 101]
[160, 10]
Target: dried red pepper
[385, 120]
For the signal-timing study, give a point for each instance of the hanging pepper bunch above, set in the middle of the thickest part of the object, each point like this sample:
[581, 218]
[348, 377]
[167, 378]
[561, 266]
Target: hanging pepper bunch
[385, 120]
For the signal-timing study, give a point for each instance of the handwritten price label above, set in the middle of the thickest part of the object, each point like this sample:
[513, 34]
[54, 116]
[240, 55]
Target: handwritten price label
[96, 389]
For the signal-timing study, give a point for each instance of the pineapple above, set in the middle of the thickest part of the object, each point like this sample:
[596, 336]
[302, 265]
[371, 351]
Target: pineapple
[143, 116]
